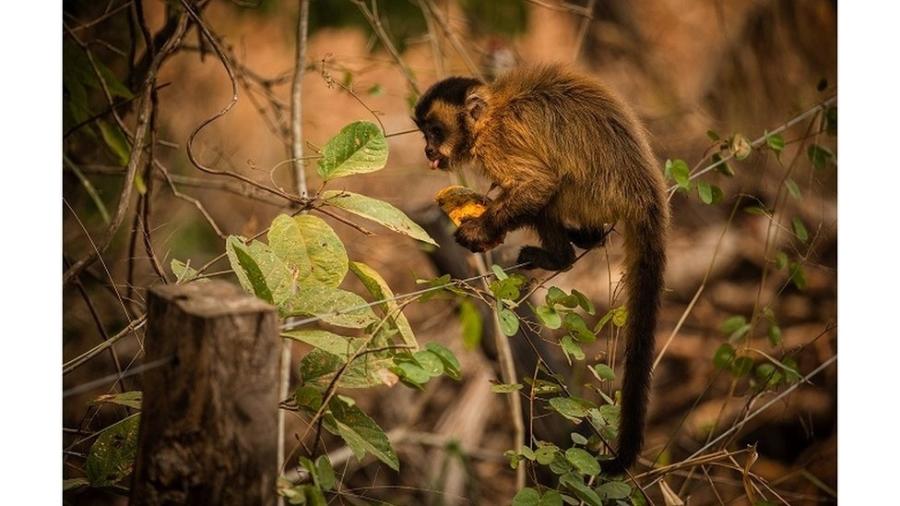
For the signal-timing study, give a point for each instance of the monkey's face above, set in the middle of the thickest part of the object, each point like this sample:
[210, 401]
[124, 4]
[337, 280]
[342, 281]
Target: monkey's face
[441, 115]
[445, 139]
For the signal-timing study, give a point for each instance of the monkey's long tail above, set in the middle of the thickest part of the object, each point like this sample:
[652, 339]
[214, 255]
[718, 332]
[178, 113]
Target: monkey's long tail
[646, 262]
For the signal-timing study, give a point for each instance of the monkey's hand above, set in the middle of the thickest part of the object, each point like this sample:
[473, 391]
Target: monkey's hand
[474, 235]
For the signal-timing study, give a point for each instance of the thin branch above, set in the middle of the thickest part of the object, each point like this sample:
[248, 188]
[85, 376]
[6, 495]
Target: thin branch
[375, 22]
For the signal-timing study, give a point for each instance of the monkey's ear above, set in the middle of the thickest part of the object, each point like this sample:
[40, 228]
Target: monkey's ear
[475, 105]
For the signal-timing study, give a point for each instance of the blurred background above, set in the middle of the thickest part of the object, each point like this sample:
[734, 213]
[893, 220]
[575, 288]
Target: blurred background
[697, 72]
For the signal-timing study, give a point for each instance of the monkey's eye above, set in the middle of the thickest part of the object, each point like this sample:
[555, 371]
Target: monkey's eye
[434, 131]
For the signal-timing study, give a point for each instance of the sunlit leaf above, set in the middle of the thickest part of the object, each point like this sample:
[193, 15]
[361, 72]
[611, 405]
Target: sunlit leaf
[360, 147]
[378, 287]
[378, 211]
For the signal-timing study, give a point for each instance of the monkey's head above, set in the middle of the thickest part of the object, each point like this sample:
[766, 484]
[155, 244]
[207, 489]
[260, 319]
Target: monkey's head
[445, 114]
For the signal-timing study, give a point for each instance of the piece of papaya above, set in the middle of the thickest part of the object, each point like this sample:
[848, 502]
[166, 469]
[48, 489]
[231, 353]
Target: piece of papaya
[461, 203]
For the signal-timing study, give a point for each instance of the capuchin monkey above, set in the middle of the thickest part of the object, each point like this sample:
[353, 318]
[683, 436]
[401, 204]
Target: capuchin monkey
[569, 158]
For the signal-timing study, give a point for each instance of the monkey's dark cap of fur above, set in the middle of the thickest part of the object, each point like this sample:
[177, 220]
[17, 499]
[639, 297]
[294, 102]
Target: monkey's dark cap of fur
[451, 90]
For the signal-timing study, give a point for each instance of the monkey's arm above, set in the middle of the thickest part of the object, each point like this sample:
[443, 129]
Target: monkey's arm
[526, 188]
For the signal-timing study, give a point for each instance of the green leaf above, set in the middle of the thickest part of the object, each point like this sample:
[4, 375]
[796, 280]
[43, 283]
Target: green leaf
[584, 302]
[332, 305]
[791, 370]
[612, 490]
[583, 461]
[451, 364]
[681, 173]
[259, 270]
[526, 497]
[545, 453]
[183, 271]
[724, 356]
[569, 408]
[781, 260]
[507, 288]
[411, 373]
[713, 136]
[604, 371]
[472, 324]
[704, 191]
[582, 491]
[774, 334]
[798, 277]
[378, 211]
[732, 324]
[74, 483]
[308, 397]
[793, 189]
[578, 439]
[130, 399]
[318, 368]
[819, 156]
[620, 316]
[378, 287]
[287, 241]
[111, 457]
[775, 143]
[325, 251]
[551, 498]
[722, 166]
[571, 349]
[116, 142]
[324, 340]
[579, 329]
[548, 316]
[767, 374]
[499, 272]
[800, 229]
[603, 321]
[509, 322]
[360, 432]
[429, 361]
[506, 388]
[360, 147]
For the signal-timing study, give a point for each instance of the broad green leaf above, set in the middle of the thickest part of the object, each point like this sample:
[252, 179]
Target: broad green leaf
[325, 250]
[582, 491]
[360, 147]
[578, 439]
[286, 240]
[499, 272]
[704, 191]
[451, 364]
[507, 288]
[551, 498]
[115, 140]
[605, 420]
[472, 324]
[505, 388]
[325, 472]
[579, 329]
[569, 408]
[604, 371]
[411, 373]
[111, 457]
[319, 367]
[545, 453]
[360, 432]
[259, 270]
[571, 349]
[308, 397]
[509, 322]
[378, 211]
[614, 490]
[620, 316]
[324, 340]
[732, 324]
[800, 229]
[584, 302]
[429, 361]
[724, 356]
[583, 461]
[183, 271]
[775, 143]
[681, 173]
[527, 497]
[378, 287]
[332, 305]
[130, 399]
[548, 316]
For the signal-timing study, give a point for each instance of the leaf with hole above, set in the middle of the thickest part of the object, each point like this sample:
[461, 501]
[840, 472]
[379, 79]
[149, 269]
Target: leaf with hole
[111, 457]
[360, 432]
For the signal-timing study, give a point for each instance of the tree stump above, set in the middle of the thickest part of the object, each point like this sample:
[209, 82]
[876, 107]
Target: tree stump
[208, 421]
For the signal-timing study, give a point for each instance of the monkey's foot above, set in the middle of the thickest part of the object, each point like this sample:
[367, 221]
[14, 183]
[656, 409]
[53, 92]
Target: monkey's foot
[539, 258]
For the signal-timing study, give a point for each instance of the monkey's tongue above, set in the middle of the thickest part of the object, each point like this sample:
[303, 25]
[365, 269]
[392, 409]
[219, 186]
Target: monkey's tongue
[435, 163]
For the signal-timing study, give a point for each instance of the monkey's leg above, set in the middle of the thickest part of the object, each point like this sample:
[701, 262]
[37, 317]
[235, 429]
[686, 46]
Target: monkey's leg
[556, 253]
[587, 238]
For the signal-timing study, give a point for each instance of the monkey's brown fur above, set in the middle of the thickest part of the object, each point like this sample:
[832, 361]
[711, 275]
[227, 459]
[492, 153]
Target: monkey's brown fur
[569, 157]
